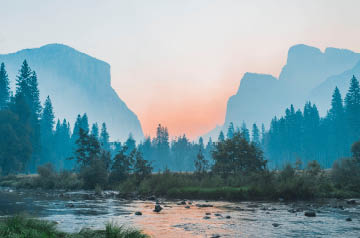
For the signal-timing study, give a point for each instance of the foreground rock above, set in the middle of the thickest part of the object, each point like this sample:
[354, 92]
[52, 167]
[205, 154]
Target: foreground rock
[158, 208]
[310, 214]
[275, 224]
[204, 205]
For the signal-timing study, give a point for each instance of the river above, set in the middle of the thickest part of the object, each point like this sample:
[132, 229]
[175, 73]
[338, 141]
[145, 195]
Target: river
[73, 211]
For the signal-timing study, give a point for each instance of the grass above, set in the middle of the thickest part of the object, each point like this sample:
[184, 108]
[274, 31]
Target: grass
[24, 227]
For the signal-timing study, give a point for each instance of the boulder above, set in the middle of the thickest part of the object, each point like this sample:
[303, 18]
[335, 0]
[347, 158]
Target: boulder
[138, 213]
[276, 224]
[351, 202]
[206, 217]
[158, 208]
[348, 219]
[310, 214]
[228, 217]
[204, 205]
[187, 207]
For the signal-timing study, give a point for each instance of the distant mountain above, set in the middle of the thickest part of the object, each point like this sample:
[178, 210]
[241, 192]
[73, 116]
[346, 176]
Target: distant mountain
[309, 74]
[77, 83]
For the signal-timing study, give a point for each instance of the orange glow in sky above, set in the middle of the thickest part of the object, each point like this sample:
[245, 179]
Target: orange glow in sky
[178, 62]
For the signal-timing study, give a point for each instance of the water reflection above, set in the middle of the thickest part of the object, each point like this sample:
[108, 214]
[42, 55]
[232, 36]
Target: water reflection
[73, 211]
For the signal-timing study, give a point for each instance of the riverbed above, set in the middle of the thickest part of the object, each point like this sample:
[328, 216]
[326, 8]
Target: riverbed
[73, 211]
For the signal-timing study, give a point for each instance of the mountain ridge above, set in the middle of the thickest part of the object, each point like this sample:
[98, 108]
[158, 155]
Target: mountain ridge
[77, 83]
[306, 68]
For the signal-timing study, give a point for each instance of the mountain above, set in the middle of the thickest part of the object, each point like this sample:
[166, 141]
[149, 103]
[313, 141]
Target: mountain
[77, 83]
[323, 92]
[309, 74]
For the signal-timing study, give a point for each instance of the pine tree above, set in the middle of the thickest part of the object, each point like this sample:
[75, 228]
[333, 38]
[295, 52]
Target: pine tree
[142, 167]
[352, 109]
[255, 135]
[104, 138]
[334, 125]
[27, 92]
[231, 131]
[130, 144]
[221, 136]
[201, 164]
[95, 130]
[23, 80]
[76, 131]
[201, 143]
[245, 132]
[336, 111]
[47, 140]
[4, 87]
[85, 123]
[35, 95]
[47, 119]
[263, 133]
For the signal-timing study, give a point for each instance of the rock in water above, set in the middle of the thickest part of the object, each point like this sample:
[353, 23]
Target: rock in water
[138, 213]
[158, 208]
[276, 224]
[348, 219]
[310, 214]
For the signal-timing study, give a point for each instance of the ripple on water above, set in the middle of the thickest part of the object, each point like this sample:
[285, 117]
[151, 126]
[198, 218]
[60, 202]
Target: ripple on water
[246, 219]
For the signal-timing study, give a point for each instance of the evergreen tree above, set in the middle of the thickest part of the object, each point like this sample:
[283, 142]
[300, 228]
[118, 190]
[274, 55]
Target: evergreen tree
[122, 166]
[161, 147]
[4, 87]
[231, 131]
[263, 133]
[142, 168]
[104, 138]
[47, 119]
[95, 130]
[334, 126]
[76, 131]
[221, 136]
[245, 132]
[255, 135]
[130, 144]
[27, 95]
[88, 149]
[201, 164]
[47, 122]
[237, 156]
[201, 143]
[209, 148]
[352, 109]
[85, 123]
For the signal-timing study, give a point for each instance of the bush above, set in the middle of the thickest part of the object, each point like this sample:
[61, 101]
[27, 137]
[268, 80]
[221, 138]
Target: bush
[346, 174]
[94, 174]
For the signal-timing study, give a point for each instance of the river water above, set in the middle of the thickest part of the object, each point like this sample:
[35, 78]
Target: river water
[73, 211]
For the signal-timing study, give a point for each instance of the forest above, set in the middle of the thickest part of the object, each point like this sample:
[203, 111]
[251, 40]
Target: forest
[242, 164]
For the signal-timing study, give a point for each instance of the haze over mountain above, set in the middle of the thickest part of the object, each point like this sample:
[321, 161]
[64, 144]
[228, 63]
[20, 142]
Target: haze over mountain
[77, 83]
[309, 74]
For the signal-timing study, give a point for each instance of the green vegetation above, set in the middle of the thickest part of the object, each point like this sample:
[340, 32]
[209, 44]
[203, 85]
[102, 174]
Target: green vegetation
[239, 172]
[22, 227]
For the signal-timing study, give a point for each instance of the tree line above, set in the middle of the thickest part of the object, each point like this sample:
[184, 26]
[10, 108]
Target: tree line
[305, 136]
[30, 135]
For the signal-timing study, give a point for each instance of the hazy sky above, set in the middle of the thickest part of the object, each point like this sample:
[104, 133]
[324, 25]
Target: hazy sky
[177, 62]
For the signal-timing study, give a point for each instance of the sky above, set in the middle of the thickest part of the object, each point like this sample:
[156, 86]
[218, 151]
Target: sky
[177, 62]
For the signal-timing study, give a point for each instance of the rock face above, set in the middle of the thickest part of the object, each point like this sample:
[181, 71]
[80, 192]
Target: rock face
[77, 83]
[308, 74]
